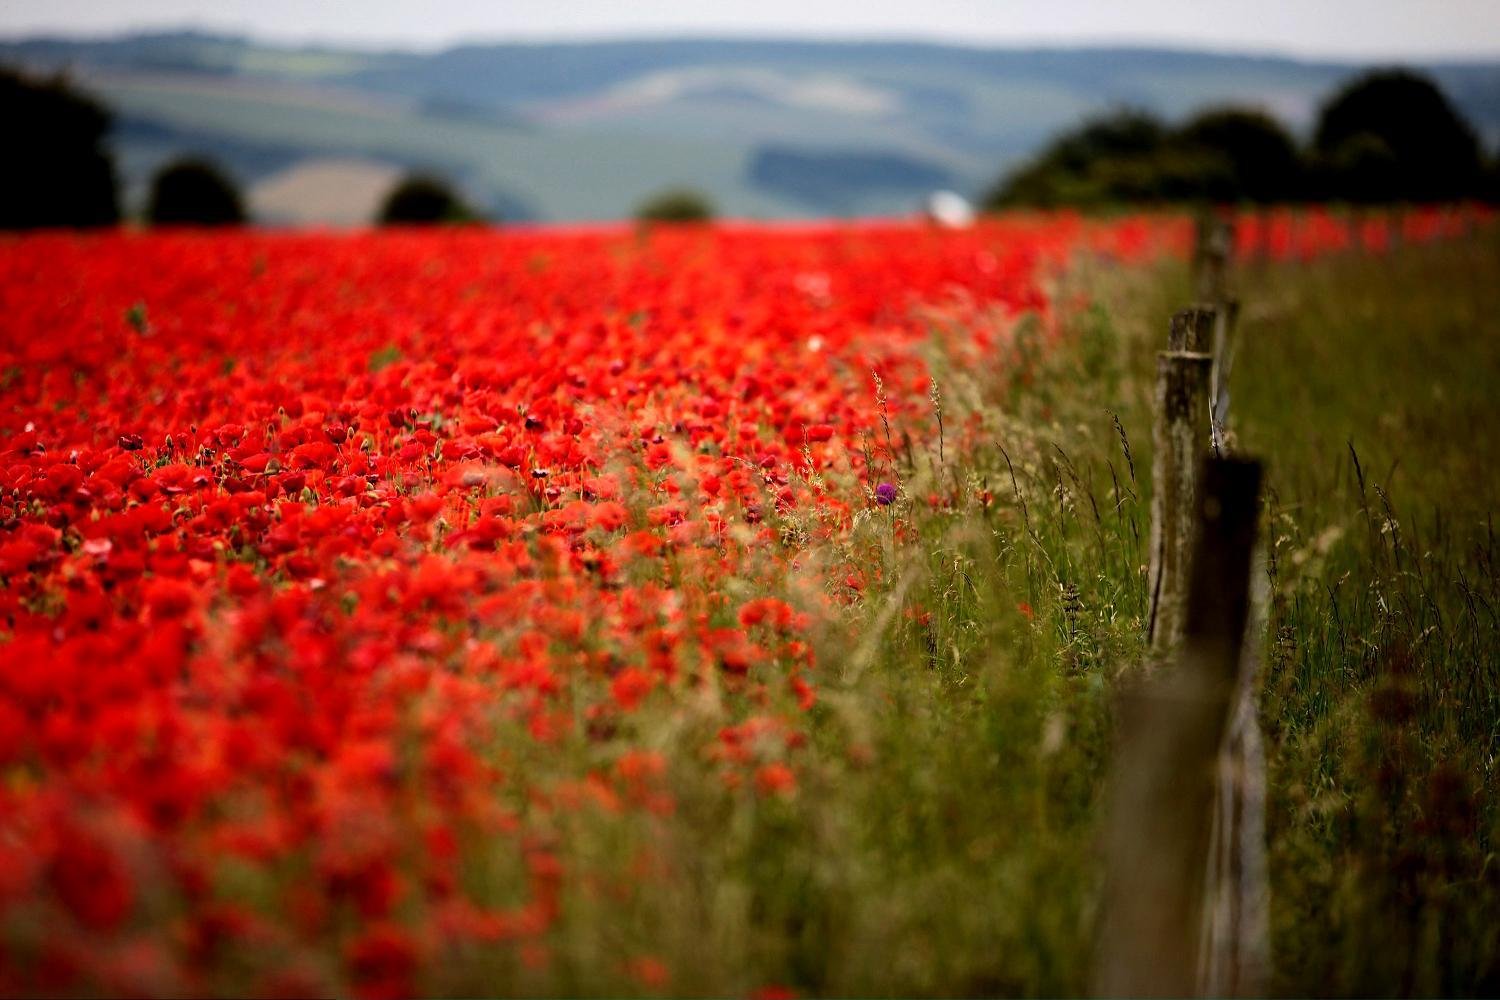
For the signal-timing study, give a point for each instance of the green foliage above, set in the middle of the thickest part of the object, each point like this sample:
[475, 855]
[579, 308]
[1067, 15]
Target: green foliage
[1264, 165]
[137, 319]
[1489, 181]
[57, 170]
[1361, 169]
[1430, 152]
[422, 199]
[385, 357]
[193, 192]
[676, 205]
[1129, 156]
[1110, 158]
[1388, 136]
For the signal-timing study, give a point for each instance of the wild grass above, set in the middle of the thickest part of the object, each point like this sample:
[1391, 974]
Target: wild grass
[943, 838]
[1371, 387]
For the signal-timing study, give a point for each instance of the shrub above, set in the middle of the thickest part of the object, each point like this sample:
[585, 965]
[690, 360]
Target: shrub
[193, 192]
[422, 199]
[675, 205]
[1261, 158]
[58, 171]
[1432, 151]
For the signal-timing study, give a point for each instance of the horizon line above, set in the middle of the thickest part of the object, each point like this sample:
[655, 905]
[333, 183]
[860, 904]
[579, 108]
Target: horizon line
[769, 36]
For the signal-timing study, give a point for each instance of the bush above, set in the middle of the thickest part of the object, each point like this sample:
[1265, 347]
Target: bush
[1261, 158]
[423, 200]
[1121, 156]
[1489, 181]
[58, 171]
[1226, 154]
[193, 192]
[675, 205]
[1362, 169]
[1386, 136]
[1433, 154]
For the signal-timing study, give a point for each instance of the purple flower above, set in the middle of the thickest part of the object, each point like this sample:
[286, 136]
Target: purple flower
[885, 494]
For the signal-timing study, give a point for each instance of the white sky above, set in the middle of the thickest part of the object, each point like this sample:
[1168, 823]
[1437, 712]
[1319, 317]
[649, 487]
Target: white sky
[1351, 29]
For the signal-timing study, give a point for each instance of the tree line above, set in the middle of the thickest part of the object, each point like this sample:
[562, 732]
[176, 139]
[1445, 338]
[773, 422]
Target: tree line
[1387, 136]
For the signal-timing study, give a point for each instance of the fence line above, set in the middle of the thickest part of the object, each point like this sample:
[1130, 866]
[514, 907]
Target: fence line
[1186, 897]
[1165, 784]
[1179, 434]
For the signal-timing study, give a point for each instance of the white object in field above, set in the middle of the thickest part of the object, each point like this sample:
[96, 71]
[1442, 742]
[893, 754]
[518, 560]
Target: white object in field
[950, 209]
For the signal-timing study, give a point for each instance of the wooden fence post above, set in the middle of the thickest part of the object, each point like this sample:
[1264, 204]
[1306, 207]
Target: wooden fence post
[1192, 330]
[1234, 957]
[1171, 731]
[1211, 280]
[1211, 259]
[1226, 323]
[1180, 435]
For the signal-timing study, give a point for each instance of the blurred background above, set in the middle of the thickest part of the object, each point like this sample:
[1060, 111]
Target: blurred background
[285, 113]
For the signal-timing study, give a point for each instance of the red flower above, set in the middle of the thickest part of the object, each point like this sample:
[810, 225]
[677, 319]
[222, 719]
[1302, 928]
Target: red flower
[168, 599]
[630, 686]
[90, 878]
[775, 778]
[383, 962]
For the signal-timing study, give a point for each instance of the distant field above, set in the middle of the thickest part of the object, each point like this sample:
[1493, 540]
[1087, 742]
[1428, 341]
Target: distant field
[517, 172]
[342, 192]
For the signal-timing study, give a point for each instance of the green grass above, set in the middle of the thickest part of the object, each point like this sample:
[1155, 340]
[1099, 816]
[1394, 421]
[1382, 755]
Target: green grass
[1370, 386]
[943, 838]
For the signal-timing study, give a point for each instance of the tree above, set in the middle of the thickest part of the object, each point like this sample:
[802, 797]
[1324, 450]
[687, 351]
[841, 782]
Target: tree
[1226, 154]
[58, 171]
[1127, 156]
[1109, 158]
[422, 199]
[1362, 169]
[1260, 159]
[1433, 152]
[193, 192]
[1489, 181]
[675, 205]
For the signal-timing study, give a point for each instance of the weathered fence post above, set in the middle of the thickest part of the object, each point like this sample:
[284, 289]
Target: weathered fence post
[1203, 223]
[1234, 957]
[1226, 322]
[1265, 244]
[1163, 787]
[1356, 224]
[1211, 259]
[1185, 906]
[1180, 437]
[1192, 330]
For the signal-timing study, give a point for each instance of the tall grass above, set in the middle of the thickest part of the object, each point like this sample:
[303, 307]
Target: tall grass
[1371, 386]
[943, 835]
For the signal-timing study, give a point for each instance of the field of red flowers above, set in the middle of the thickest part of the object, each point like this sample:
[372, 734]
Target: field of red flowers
[336, 565]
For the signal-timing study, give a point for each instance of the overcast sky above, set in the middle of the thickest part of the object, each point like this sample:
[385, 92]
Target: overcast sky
[1354, 29]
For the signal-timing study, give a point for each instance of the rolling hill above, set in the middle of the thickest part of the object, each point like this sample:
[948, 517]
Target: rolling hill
[586, 130]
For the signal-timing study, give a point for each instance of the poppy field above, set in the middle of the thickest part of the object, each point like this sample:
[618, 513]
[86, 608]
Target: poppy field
[470, 612]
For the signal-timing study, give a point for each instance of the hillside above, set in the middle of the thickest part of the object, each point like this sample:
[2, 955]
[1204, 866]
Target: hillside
[585, 130]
